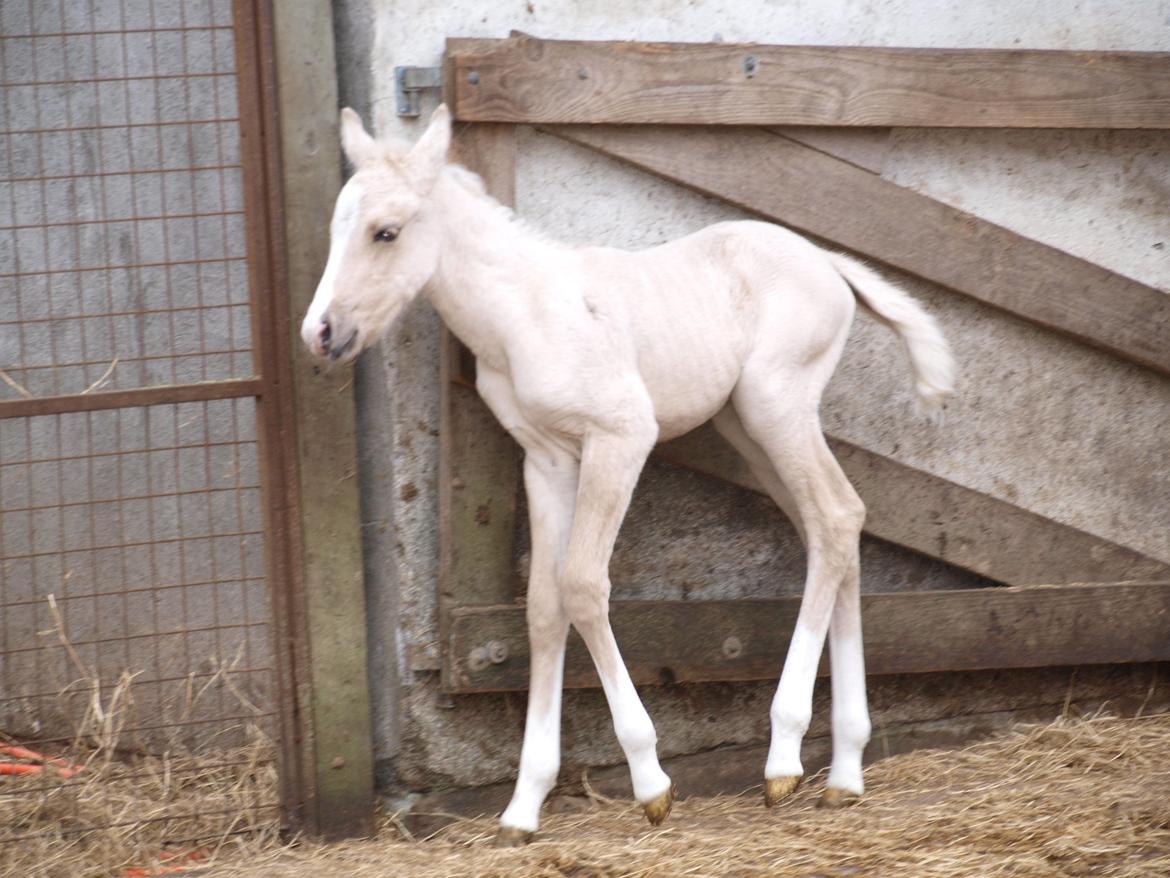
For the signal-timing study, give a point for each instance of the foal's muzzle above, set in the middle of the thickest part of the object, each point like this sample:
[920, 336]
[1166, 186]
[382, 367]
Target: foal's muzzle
[333, 340]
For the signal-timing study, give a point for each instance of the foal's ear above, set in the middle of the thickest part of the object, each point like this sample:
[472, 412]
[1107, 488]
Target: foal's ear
[358, 145]
[429, 155]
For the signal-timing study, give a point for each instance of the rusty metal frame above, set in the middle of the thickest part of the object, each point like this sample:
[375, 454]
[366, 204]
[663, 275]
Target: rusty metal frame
[264, 206]
[270, 386]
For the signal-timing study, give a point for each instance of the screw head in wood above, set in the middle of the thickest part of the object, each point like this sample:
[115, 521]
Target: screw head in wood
[750, 65]
[478, 658]
[473, 77]
[497, 651]
[732, 647]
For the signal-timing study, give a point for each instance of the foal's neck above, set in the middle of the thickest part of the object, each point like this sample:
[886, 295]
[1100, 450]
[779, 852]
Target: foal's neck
[488, 265]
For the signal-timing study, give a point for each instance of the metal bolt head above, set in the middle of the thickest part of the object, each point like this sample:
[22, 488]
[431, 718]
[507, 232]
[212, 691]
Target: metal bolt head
[473, 77]
[582, 73]
[478, 658]
[497, 651]
[732, 647]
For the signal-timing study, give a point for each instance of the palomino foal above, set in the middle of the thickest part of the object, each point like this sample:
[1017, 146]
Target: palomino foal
[588, 357]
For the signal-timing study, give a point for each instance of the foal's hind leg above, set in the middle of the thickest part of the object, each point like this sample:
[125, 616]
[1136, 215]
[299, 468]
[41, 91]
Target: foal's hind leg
[850, 709]
[786, 450]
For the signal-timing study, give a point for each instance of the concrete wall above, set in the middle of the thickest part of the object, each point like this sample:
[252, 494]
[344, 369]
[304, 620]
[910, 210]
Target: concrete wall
[1043, 422]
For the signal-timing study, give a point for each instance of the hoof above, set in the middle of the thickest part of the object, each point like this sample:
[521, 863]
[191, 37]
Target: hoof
[658, 809]
[511, 837]
[835, 798]
[777, 789]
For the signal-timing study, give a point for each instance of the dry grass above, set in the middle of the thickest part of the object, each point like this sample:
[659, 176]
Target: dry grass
[1084, 797]
[135, 812]
[1074, 798]
[127, 806]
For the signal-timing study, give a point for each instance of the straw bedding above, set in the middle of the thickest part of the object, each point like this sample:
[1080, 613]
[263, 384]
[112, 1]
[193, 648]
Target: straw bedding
[134, 815]
[1077, 797]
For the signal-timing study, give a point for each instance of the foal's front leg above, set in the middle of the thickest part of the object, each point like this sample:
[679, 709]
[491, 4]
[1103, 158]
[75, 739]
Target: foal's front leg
[610, 465]
[550, 481]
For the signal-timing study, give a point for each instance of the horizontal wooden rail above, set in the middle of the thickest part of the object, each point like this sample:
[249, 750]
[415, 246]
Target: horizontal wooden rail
[913, 632]
[825, 196]
[524, 79]
[933, 516]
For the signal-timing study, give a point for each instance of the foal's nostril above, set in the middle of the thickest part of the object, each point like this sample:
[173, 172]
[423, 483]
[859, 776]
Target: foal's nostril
[325, 334]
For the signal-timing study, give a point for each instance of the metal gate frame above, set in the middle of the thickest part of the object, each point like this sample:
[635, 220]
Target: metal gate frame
[287, 109]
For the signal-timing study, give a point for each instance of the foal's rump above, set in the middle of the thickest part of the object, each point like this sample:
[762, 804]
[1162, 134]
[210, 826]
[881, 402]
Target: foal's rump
[751, 299]
[805, 306]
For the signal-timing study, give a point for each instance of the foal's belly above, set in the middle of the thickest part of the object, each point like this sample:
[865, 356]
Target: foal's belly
[691, 319]
[689, 382]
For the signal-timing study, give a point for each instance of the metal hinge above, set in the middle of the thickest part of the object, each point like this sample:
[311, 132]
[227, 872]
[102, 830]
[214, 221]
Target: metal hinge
[410, 82]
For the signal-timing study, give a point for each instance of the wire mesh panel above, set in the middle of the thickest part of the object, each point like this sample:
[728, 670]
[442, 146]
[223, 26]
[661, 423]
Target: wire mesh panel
[136, 620]
[132, 541]
[122, 247]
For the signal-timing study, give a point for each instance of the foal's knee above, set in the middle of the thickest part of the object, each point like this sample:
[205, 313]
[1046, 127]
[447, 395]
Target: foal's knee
[584, 593]
[586, 601]
[546, 623]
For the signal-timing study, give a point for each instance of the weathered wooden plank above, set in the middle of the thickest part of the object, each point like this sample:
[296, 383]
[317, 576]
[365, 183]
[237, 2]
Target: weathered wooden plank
[479, 464]
[867, 148]
[480, 475]
[913, 632]
[929, 514]
[816, 193]
[335, 708]
[551, 81]
[489, 150]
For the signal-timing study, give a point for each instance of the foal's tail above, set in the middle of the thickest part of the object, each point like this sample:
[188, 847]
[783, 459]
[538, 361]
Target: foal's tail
[930, 355]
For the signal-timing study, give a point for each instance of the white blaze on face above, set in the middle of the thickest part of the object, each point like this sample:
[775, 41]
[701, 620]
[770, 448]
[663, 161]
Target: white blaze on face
[346, 214]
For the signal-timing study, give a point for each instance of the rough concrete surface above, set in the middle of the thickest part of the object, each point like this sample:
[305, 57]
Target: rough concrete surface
[1040, 421]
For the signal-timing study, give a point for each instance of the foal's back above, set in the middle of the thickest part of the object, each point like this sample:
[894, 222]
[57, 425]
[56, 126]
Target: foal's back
[702, 308]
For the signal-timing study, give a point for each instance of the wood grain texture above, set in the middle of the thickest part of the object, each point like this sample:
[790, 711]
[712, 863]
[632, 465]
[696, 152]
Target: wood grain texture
[479, 463]
[480, 483]
[913, 632]
[867, 148]
[931, 515]
[334, 696]
[489, 150]
[815, 193]
[550, 81]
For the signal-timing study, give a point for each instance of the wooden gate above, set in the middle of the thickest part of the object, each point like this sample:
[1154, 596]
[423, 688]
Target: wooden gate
[697, 114]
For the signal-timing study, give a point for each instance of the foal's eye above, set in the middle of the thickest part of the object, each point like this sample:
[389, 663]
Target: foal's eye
[385, 236]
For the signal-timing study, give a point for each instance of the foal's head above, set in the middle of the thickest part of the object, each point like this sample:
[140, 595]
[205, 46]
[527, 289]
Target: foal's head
[384, 244]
